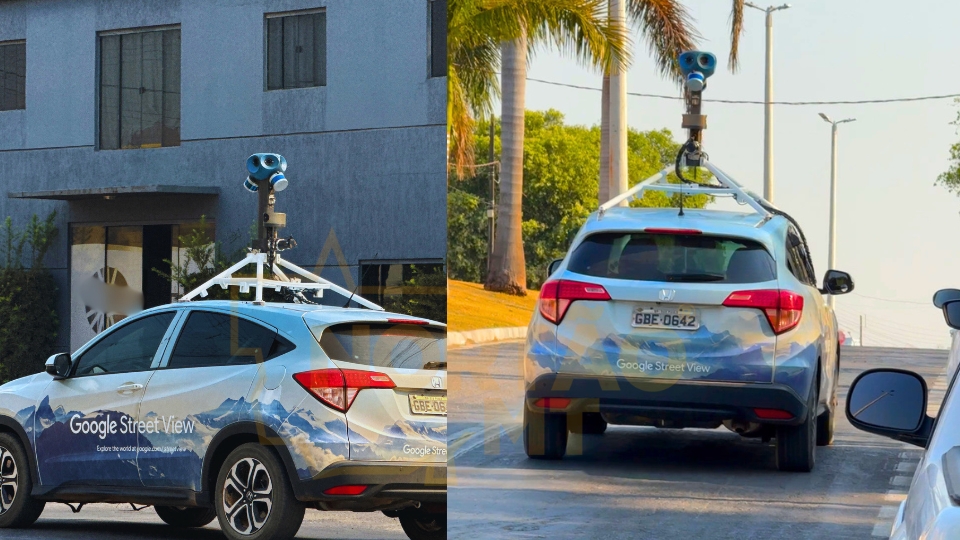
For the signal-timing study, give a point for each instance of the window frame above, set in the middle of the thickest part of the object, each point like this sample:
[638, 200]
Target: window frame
[158, 355]
[266, 44]
[98, 108]
[13, 43]
[164, 363]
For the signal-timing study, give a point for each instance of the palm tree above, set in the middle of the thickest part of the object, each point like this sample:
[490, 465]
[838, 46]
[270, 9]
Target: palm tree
[666, 27]
[478, 31]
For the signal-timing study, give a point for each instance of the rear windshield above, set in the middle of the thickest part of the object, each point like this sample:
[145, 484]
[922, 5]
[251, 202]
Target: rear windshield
[385, 345]
[672, 258]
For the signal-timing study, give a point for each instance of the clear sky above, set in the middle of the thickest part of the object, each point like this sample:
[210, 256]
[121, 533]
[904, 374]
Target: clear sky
[897, 233]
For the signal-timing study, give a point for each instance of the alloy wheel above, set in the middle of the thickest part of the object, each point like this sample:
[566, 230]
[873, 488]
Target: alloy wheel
[248, 496]
[9, 480]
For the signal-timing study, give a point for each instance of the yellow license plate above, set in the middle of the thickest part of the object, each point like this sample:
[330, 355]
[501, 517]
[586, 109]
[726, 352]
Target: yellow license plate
[435, 405]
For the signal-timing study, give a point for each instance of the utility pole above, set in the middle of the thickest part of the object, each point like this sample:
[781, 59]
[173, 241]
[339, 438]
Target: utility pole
[768, 102]
[618, 110]
[491, 209]
[832, 255]
[862, 320]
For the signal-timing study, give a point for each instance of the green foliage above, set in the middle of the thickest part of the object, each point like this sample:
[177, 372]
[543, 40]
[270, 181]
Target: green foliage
[951, 178]
[424, 294]
[28, 298]
[561, 169]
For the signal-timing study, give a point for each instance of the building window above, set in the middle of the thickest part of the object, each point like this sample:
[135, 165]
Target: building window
[140, 89]
[296, 50]
[13, 75]
[418, 289]
[437, 32]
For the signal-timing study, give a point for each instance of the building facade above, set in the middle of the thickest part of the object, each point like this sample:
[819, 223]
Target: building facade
[133, 119]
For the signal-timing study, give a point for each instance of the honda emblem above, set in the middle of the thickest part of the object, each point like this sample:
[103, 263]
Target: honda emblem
[436, 382]
[666, 295]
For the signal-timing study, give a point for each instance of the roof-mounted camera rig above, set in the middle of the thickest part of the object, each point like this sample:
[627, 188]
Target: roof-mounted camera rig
[266, 178]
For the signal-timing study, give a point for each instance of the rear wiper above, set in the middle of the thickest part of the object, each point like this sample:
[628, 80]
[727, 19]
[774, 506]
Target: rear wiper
[435, 365]
[695, 277]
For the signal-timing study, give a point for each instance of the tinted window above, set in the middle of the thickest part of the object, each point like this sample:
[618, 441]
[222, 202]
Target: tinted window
[216, 339]
[673, 258]
[798, 261]
[385, 345]
[13, 76]
[296, 51]
[437, 30]
[130, 347]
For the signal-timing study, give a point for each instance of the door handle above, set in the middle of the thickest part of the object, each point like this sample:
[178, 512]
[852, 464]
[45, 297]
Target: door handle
[128, 388]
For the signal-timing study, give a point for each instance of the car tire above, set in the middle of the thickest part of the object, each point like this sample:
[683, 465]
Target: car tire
[826, 422]
[17, 508]
[593, 424]
[186, 516]
[254, 498]
[420, 525]
[544, 435]
[796, 445]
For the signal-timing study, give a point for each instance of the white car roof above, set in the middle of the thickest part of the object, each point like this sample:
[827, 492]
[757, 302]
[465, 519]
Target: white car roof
[312, 314]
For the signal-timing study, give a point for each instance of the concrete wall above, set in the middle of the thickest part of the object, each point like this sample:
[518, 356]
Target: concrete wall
[366, 153]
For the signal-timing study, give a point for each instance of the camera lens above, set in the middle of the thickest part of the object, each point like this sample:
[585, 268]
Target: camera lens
[703, 60]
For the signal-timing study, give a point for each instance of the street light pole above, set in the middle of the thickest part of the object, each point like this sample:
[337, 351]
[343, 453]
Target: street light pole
[768, 102]
[832, 256]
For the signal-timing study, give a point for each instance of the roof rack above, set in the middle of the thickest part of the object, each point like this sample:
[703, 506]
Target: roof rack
[316, 283]
[728, 188]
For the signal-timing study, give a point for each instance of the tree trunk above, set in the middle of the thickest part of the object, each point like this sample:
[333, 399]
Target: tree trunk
[508, 272]
[604, 194]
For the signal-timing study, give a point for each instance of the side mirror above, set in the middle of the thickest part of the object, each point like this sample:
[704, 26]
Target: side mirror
[553, 266]
[892, 403]
[59, 365]
[836, 282]
[951, 313]
[943, 296]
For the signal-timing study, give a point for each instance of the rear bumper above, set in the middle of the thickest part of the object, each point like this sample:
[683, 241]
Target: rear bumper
[678, 400]
[386, 481]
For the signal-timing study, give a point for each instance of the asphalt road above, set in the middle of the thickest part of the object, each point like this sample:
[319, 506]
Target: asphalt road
[636, 482]
[113, 521]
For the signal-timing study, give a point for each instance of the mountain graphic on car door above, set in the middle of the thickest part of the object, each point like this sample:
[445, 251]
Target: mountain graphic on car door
[398, 411]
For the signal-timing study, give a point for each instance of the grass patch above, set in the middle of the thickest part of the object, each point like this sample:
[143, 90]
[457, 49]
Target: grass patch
[469, 307]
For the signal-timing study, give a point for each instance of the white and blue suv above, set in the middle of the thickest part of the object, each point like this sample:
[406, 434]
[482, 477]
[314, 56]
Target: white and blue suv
[689, 319]
[240, 412]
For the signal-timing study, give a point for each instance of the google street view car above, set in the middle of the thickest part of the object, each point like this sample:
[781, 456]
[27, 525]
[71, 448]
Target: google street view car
[685, 319]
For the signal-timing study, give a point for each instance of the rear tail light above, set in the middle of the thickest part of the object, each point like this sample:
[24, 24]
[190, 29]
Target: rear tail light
[557, 295]
[407, 321]
[338, 387]
[782, 308]
[552, 403]
[772, 414]
[345, 490]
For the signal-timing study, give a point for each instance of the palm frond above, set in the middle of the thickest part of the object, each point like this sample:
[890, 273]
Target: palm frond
[667, 28]
[736, 30]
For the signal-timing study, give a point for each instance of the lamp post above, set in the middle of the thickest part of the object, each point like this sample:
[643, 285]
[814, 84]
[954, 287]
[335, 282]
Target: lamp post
[832, 256]
[768, 103]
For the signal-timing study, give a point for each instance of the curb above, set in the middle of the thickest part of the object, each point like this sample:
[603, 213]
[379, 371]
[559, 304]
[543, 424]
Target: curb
[485, 335]
[469, 441]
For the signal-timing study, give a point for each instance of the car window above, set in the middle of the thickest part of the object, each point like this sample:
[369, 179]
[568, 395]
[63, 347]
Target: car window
[131, 347]
[217, 339]
[672, 257]
[384, 345]
[797, 260]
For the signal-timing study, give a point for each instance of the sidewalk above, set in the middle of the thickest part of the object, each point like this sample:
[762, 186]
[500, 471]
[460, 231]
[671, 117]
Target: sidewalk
[485, 335]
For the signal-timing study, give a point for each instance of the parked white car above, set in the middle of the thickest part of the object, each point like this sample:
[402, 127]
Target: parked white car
[893, 403]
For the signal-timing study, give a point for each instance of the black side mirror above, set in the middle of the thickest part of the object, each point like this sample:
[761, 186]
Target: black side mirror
[59, 365]
[836, 282]
[951, 313]
[553, 266]
[892, 403]
[943, 296]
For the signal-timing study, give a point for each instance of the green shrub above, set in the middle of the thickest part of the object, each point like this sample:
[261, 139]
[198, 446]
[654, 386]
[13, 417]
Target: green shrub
[424, 294]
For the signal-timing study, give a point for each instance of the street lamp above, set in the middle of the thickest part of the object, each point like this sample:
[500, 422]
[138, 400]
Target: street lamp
[768, 103]
[832, 257]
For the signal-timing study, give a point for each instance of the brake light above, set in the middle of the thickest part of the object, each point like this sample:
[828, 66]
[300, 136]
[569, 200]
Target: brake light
[406, 321]
[653, 230]
[557, 295]
[338, 387]
[345, 490]
[782, 308]
[772, 414]
[552, 403]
